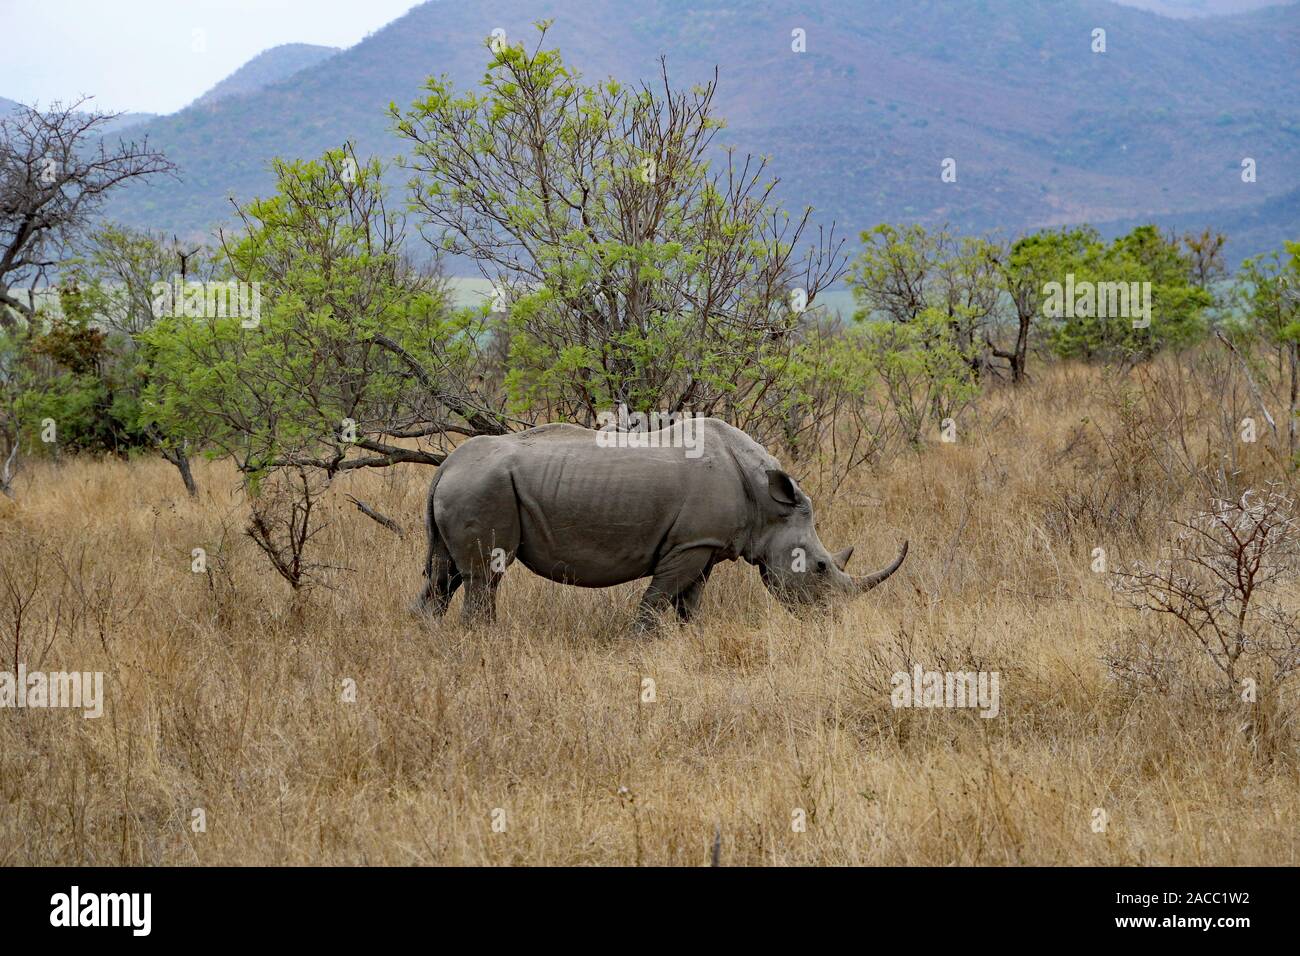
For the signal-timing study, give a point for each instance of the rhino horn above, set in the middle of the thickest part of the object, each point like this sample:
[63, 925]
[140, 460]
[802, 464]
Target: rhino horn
[864, 584]
[841, 558]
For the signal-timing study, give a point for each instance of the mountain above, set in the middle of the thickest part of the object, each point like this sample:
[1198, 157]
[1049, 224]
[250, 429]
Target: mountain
[1252, 229]
[124, 121]
[269, 66]
[1201, 8]
[1043, 130]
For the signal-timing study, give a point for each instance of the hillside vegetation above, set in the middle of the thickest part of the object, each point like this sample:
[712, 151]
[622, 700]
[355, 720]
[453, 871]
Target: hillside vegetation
[269, 66]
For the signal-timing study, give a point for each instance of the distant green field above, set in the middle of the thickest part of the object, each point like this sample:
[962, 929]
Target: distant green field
[470, 292]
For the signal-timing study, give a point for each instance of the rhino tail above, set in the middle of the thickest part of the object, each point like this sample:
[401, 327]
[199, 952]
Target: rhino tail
[431, 531]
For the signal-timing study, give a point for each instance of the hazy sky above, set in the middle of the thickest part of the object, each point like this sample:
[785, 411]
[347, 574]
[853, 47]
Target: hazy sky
[146, 54]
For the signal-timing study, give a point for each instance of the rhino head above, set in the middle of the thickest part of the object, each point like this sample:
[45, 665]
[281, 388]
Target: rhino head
[792, 561]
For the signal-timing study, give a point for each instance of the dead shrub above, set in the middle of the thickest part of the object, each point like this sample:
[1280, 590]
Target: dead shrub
[1224, 591]
[283, 519]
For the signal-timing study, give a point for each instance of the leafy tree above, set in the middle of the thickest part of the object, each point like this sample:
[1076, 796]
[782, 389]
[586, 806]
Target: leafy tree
[351, 348]
[925, 300]
[340, 350]
[70, 384]
[129, 266]
[631, 270]
[1205, 250]
[1177, 302]
[83, 367]
[1267, 289]
[926, 373]
[893, 276]
[1024, 269]
[56, 170]
[903, 272]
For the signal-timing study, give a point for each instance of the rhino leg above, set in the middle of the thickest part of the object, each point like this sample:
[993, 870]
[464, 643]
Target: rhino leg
[678, 580]
[478, 514]
[481, 600]
[441, 575]
[442, 578]
[688, 600]
[482, 566]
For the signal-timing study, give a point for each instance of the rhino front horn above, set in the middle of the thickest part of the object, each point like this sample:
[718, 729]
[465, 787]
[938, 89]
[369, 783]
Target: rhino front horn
[865, 584]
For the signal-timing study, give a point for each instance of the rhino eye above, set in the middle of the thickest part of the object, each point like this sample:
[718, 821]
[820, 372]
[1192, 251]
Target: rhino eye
[821, 566]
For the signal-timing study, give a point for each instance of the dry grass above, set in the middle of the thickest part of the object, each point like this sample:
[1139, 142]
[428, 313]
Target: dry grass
[224, 694]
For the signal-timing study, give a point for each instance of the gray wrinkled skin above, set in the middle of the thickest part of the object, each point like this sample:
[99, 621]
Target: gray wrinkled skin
[577, 513]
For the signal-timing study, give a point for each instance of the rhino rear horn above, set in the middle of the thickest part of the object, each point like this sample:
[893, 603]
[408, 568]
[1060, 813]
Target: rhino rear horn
[841, 558]
[865, 584]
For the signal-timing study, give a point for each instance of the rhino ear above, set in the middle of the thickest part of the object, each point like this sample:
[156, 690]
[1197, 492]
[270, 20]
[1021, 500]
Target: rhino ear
[781, 487]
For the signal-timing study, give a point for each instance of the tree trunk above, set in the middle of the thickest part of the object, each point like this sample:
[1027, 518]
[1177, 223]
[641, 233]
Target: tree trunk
[8, 470]
[1022, 348]
[178, 458]
[182, 463]
[1017, 356]
[1290, 424]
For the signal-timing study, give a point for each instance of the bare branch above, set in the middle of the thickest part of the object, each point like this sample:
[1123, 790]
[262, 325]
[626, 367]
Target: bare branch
[374, 515]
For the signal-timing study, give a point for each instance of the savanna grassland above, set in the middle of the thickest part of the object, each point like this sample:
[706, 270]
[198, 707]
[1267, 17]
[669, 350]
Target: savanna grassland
[224, 692]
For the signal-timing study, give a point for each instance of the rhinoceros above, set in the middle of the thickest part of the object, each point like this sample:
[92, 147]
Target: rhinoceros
[577, 508]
